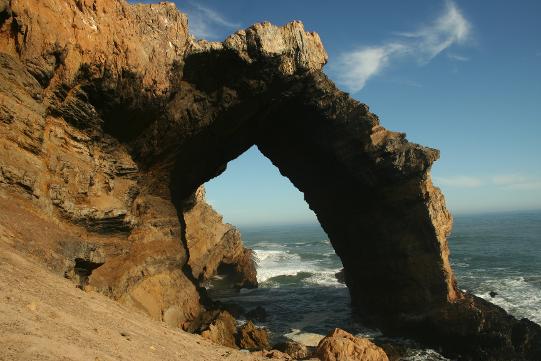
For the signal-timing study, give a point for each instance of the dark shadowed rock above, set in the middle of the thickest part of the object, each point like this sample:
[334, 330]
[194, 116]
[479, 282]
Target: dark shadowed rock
[395, 352]
[234, 309]
[258, 314]
[341, 276]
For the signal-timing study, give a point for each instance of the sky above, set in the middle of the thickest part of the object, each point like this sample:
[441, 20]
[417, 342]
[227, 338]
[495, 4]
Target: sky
[460, 76]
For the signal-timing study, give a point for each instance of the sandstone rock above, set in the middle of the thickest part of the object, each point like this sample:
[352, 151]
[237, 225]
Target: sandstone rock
[222, 330]
[213, 244]
[340, 345]
[112, 116]
[252, 338]
[64, 159]
[294, 349]
[273, 355]
[296, 49]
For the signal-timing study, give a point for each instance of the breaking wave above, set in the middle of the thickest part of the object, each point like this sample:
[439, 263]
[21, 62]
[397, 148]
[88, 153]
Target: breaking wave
[279, 267]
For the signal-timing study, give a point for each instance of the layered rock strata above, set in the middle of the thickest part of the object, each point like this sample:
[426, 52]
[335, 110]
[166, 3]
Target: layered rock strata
[112, 116]
[72, 189]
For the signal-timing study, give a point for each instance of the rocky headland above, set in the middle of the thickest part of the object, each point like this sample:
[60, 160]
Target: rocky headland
[112, 116]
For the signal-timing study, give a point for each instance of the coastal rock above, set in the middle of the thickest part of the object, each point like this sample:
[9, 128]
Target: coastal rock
[214, 246]
[65, 165]
[112, 116]
[273, 355]
[340, 276]
[294, 349]
[222, 330]
[258, 314]
[340, 345]
[252, 338]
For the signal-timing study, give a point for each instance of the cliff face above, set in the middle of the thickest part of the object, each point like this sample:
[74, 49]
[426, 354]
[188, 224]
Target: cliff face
[112, 116]
[73, 193]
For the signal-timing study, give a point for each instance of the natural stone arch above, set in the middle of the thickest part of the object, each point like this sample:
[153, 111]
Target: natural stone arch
[147, 114]
[370, 188]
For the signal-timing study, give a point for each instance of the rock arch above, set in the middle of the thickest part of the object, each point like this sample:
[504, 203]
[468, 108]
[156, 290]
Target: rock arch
[119, 128]
[370, 188]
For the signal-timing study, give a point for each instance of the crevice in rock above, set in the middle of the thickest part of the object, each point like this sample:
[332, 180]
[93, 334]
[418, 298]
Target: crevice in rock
[5, 11]
[82, 270]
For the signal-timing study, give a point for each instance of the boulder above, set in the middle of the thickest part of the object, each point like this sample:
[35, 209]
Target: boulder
[252, 338]
[222, 330]
[294, 349]
[257, 314]
[340, 345]
[273, 355]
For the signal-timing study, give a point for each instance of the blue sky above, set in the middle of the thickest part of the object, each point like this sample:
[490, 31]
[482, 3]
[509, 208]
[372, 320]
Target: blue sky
[460, 76]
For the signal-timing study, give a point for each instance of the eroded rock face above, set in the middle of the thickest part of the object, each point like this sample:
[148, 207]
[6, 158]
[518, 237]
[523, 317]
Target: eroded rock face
[112, 117]
[213, 244]
[72, 187]
[222, 330]
[340, 345]
[252, 338]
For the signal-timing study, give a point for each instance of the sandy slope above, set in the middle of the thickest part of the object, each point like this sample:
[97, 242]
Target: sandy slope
[45, 317]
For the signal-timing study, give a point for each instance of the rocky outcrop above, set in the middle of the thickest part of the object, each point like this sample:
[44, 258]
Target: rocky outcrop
[220, 327]
[273, 355]
[77, 195]
[43, 317]
[252, 338]
[296, 350]
[222, 330]
[340, 345]
[112, 116]
[215, 247]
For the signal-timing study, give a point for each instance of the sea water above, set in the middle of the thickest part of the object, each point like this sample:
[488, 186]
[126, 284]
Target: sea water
[498, 253]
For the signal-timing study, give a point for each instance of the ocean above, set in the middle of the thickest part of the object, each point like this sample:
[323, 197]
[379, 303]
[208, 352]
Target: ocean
[498, 253]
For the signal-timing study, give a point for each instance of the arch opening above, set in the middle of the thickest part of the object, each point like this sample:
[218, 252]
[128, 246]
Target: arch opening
[368, 187]
[300, 291]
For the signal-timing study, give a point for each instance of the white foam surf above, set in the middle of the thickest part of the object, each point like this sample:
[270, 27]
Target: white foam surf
[274, 263]
[515, 295]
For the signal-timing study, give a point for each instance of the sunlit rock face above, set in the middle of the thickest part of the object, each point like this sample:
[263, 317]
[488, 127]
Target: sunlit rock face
[112, 116]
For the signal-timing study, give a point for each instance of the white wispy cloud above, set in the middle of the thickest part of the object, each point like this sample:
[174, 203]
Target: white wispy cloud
[517, 182]
[458, 57]
[354, 68]
[449, 28]
[459, 181]
[503, 181]
[358, 66]
[206, 23]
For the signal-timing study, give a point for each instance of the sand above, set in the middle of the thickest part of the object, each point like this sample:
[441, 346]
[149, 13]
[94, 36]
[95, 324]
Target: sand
[45, 317]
